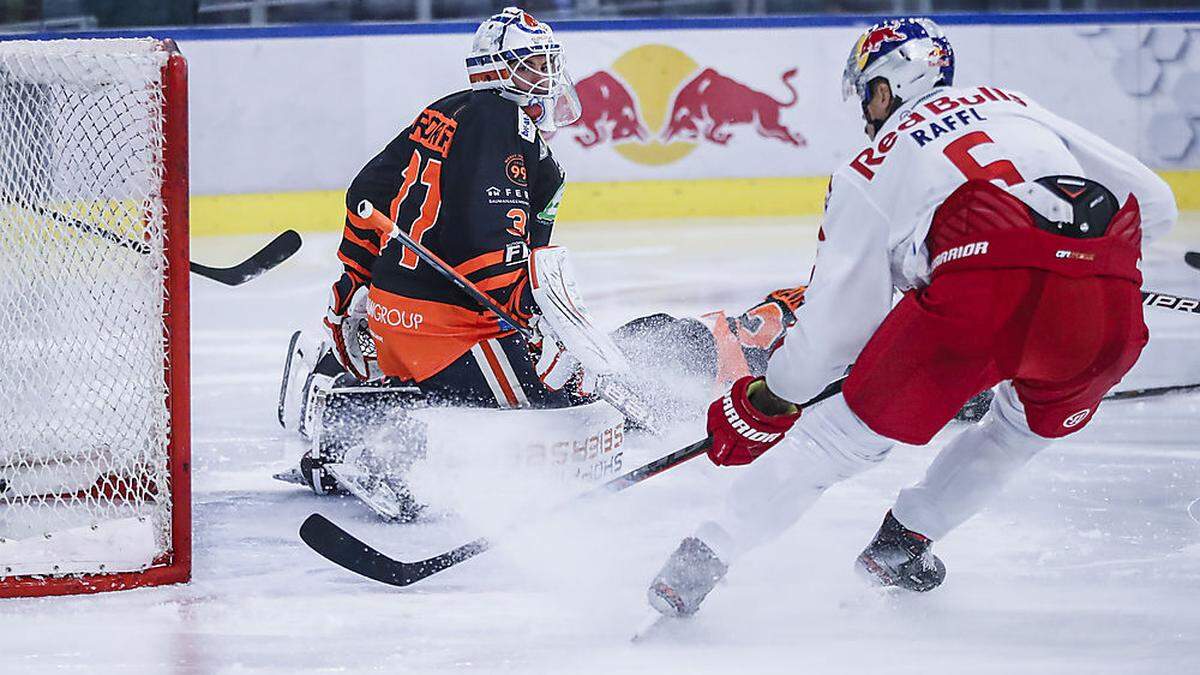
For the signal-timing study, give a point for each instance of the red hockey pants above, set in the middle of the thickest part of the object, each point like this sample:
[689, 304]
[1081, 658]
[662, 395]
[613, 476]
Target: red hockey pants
[1064, 342]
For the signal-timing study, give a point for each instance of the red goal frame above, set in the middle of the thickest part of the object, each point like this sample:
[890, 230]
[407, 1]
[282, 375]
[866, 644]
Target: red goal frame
[175, 566]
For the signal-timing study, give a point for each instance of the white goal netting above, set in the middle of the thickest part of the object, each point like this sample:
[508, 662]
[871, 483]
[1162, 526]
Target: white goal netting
[84, 416]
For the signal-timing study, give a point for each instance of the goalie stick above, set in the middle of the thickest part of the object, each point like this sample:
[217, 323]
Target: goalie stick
[344, 549]
[282, 247]
[609, 388]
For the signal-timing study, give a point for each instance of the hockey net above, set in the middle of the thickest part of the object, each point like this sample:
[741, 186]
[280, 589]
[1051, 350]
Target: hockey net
[93, 316]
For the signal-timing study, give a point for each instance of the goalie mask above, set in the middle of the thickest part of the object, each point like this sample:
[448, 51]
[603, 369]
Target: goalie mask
[516, 54]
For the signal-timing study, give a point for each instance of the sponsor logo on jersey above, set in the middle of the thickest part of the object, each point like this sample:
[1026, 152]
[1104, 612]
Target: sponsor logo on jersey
[739, 425]
[1077, 418]
[516, 253]
[508, 195]
[434, 131]
[959, 252]
[656, 105]
[946, 117]
[1074, 255]
[548, 214]
[394, 317]
[514, 168]
[525, 127]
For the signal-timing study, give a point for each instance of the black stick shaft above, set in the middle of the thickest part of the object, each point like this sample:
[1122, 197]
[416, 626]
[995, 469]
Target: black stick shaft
[365, 211]
[1168, 301]
[279, 249]
[688, 452]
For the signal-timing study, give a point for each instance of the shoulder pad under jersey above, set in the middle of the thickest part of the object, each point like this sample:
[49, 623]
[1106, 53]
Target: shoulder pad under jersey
[525, 126]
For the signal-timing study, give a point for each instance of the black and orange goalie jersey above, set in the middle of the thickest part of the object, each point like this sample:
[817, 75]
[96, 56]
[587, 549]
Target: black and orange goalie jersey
[473, 180]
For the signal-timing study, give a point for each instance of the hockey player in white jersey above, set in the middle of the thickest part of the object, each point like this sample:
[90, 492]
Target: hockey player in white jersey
[1015, 237]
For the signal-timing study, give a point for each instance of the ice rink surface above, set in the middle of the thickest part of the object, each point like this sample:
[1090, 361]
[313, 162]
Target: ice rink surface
[1087, 563]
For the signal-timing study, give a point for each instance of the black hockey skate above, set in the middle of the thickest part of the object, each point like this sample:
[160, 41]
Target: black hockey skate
[900, 557]
[686, 579]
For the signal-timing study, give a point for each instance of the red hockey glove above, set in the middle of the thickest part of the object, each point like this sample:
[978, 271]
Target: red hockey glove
[741, 432]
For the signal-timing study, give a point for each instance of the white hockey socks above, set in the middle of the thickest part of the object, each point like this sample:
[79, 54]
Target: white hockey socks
[828, 445]
[971, 469]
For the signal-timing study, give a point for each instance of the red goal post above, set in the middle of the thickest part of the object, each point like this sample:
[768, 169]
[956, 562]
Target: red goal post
[95, 435]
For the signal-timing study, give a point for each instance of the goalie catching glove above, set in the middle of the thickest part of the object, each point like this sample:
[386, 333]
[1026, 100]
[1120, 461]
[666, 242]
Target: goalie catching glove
[556, 367]
[569, 348]
[740, 431]
[351, 339]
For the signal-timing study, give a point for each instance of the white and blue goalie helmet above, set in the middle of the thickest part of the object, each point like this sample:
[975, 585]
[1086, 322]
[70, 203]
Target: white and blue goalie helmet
[503, 57]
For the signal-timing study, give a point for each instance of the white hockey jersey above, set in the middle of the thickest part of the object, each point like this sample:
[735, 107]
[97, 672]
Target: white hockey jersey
[881, 202]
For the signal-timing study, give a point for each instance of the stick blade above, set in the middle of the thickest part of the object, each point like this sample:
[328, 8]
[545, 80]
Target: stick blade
[1192, 258]
[283, 247]
[342, 549]
[267, 258]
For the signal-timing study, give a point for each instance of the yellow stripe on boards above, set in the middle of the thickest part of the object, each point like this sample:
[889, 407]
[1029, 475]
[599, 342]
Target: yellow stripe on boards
[324, 210]
[1186, 186]
[317, 211]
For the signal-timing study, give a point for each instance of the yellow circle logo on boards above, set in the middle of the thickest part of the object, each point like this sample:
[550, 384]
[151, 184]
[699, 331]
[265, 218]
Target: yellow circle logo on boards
[657, 104]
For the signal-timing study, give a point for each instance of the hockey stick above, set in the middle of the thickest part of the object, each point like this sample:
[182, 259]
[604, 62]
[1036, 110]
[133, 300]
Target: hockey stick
[1150, 391]
[1167, 301]
[1192, 258]
[608, 387]
[279, 249]
[344, 549]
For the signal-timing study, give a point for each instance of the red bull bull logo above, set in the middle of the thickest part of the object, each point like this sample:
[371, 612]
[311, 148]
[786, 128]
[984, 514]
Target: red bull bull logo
[609, 113]
[712, 102]
[656, 105]
[872, 42]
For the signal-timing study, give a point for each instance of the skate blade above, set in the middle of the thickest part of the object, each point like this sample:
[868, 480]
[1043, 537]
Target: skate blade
[291, 476]
[292, 353]
[652, 625]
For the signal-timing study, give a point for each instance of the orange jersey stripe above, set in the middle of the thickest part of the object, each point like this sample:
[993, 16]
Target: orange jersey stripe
[479, 262]
[501, 378]
[499, 281]
[354, 266]
[350, 236]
